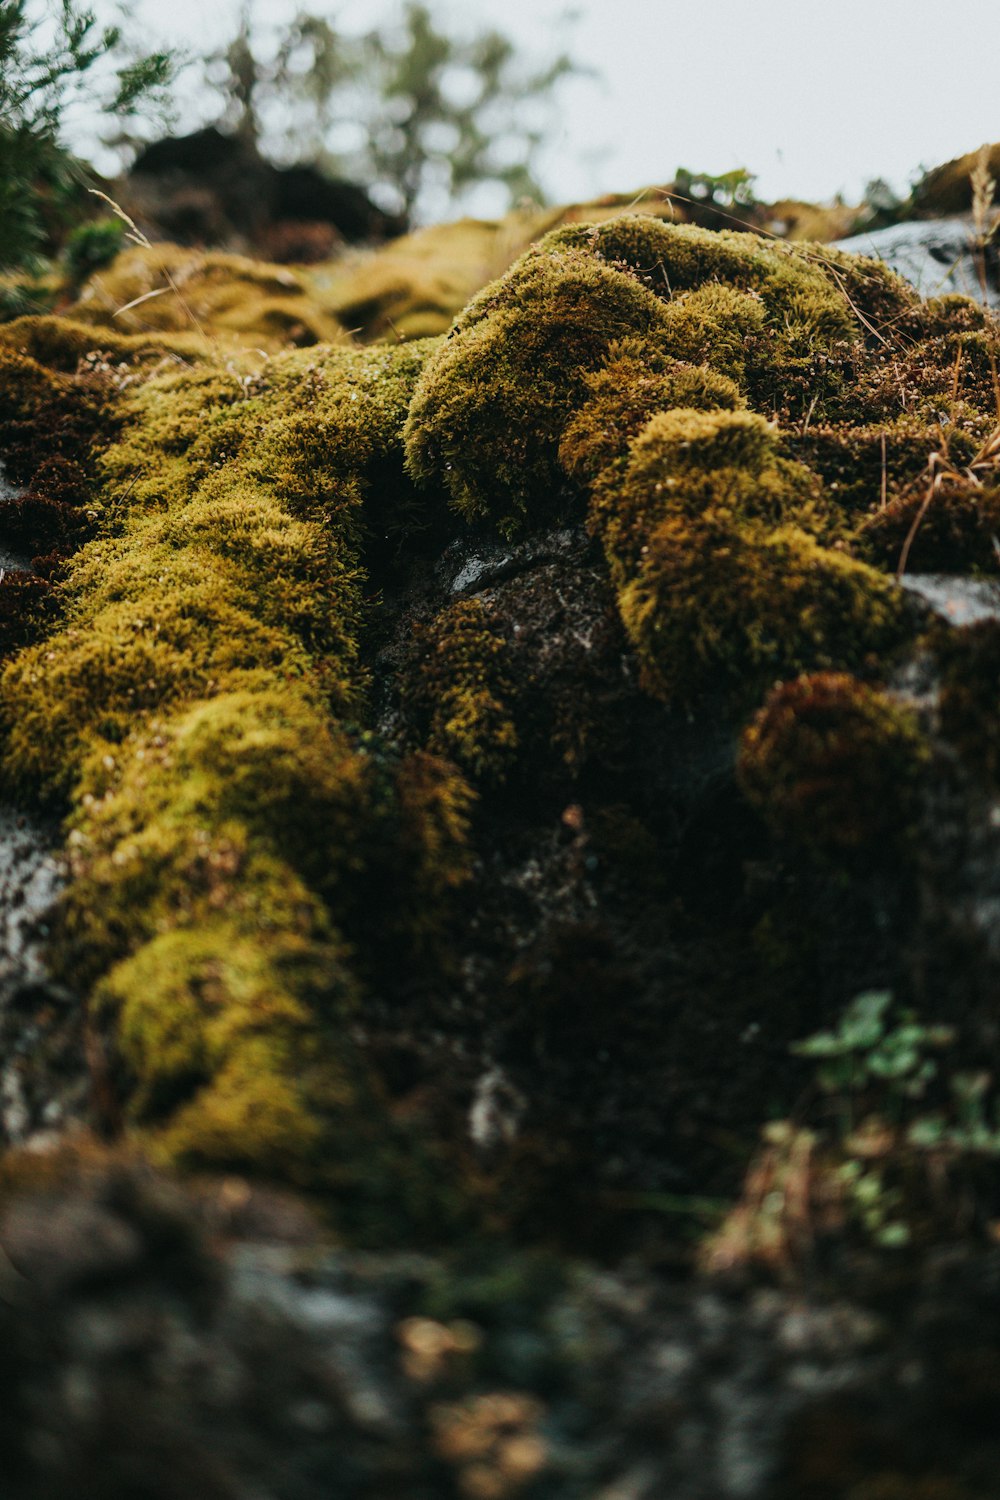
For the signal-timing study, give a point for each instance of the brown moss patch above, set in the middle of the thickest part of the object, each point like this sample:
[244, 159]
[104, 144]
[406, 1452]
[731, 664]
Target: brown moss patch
[833, 764]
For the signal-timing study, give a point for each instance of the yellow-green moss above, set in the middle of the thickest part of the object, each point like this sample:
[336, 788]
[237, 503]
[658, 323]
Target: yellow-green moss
[682, 462]
[948, 526]
[833, 763]
[60, 343]
[462, 690]
[734, 561]
[494, 400]
[637, 380]
[228, 299]
[721, 602]
[232, 831]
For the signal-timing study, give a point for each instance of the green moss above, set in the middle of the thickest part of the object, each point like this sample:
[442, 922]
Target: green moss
[637, 380]
[722, 602]
[242, 856]
[61, 343]
[717, 326]
[730, 558]
[682, 462]
[490, 409]
[718, 548]
[228, 300]
[858, 463]
[834, 764]
[47, 422]
[462, 691]
[944, 527]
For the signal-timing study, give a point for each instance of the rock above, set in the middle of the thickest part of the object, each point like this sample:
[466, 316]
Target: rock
[939, 257]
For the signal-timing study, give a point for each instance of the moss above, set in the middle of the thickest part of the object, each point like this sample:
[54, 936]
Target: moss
[490, 409]
[233, 835]
[729, 556]
[228, 299]
[718, 547]
[52, 428]
[509, 383]
[948, 189]
[725, 603]
[462, 690]
[25, 609]
[684, 461]
[717, 326]
[969, 661]
[414, 286]
[950, 527]
[637, 380]
[834, 764]
[61, 343]
[857, 463]
[47, 424]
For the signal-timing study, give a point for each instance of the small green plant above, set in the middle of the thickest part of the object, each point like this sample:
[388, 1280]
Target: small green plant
[48, 63]
[885, 1063]
[91, 246]
[870, 1049]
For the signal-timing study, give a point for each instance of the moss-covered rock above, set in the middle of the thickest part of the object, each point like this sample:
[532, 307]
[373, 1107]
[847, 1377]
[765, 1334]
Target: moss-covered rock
[229, 825]
[834, 764]
[463, 689]
[229, 300]
[491, 408]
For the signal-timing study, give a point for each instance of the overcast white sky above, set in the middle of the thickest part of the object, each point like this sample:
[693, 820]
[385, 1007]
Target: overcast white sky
[815, 97]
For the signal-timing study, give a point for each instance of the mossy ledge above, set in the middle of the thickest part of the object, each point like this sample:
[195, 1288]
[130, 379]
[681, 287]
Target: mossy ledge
[248, 855]
[201, 707]
[664, 380]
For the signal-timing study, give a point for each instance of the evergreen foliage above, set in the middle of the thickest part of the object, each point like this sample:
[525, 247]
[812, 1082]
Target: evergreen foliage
[48, 62]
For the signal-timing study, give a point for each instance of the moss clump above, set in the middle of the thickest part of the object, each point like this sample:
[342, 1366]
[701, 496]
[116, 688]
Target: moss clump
[717, 547]
[227, 298]
[240, 851]
[637, 380]
[730, 558]
[725, 603]
[834, 764]
[462, 691]
[492, 405]
[414, 286]
[25, 609]
[62, 344]
[683, 462]
[800, 329]
[948, 526]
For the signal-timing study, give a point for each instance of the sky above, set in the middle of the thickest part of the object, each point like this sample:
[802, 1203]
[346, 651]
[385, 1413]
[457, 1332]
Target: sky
[814, 98]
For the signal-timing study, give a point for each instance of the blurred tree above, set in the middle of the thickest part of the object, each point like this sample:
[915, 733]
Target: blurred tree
[53, 56]
[418, 115]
